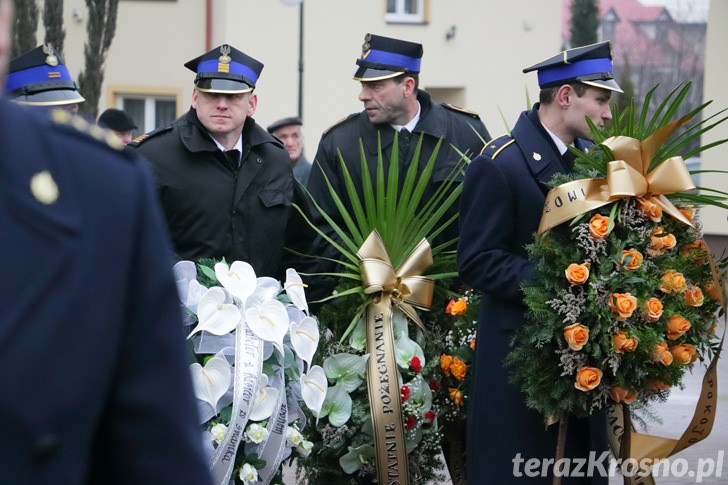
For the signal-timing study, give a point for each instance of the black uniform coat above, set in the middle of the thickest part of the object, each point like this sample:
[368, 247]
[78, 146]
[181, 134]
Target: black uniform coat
[94, 375]
[503, 194]
[214, 209]
[456, 127]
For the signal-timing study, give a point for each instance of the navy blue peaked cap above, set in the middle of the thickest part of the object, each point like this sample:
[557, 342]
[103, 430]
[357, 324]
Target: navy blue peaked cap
[225, 69]
[385, 57]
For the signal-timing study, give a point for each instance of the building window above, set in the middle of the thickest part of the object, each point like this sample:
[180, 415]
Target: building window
[150, 108]
[406, 11]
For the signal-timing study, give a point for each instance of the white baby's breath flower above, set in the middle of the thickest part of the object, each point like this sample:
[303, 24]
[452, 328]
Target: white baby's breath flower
[304, 449]
[248, 474]
[218, 432]
[293, 436]
[256, 433]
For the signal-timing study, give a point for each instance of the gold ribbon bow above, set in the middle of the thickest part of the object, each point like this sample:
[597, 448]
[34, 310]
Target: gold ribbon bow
[407, 289]
[405, 285]
[627, 176]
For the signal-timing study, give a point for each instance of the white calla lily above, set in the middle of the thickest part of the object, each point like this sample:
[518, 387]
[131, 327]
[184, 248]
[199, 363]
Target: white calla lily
[269, 321]
[356, 457]
[265, 400]
[358, 338]
[295, 289]
[314, 386]
[239, 279]
[305, 338]
[266, 289]
[406, 348]
[346, 369]
[214, 315]
[337, 406]
[212, 381]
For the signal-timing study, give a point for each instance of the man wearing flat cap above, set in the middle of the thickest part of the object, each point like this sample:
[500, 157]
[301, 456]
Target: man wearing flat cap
[290, 132]
[225, 183]
[39, 77]
[389, 70]
[119, 123]
[503, 196]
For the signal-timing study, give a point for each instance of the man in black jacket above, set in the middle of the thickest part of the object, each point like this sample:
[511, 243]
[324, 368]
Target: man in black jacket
[389, 75]
[226, 185]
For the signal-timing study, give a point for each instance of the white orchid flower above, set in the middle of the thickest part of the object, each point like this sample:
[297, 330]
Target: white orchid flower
[346, 369]
[305, 338]
[269, 321]
[337, 406]
[314, 387]
[295, 289]
[212, 381]
[214, 315]
[356, 457]
[406, 348]
[239, 279]
[265, 400]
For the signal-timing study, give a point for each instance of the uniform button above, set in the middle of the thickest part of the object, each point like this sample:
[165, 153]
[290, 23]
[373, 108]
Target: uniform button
[258, 160]
[46, 447]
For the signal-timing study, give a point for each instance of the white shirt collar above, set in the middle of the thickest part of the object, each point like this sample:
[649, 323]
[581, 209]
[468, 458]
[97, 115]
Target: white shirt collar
[238, 144]
[412, 123]
[559, 144]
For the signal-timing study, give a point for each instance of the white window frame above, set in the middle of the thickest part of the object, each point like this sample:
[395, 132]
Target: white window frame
[399, 16]
[117, 95]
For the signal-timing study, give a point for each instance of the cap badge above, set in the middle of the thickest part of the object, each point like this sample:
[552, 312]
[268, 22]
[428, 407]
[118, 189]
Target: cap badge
[365, 50]
[224, 60]
[51, 58]
[536, 156]
[44, 188]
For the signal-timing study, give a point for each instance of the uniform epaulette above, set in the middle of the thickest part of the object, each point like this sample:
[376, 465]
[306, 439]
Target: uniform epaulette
[342, 120]
[147, 136]
[464, 111]
[496, 145]
[78, 124]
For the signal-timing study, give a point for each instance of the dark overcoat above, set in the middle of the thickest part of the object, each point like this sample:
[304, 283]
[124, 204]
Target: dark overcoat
[217, 210]
[94, 374]
[503, 195]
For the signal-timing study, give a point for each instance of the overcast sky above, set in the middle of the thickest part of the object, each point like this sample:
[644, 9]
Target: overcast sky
[683, 10]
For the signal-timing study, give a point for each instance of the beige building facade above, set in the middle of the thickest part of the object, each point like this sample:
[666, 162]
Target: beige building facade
[474, 51]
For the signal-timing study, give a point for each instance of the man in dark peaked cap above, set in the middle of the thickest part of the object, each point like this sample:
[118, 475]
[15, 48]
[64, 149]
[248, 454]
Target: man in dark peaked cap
[503, 196]
[119, 123]
[388, 70]
[39, 77]
[290, 131]
[225, 183]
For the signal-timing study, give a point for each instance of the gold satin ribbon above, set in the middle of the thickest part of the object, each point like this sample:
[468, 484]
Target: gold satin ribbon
[407, 289]
[627, 176]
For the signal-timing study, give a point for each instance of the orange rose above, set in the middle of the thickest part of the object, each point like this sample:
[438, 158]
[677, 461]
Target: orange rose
[684, 353]
[677, 325]
[623, 304]
[712, 289]
[576, 335]
[660, 241]
[693, 296]
[652, 310]
[649, 209]
[620, 394]
[472, 344]
[458, 369]
[455, 396]
[657, 385]
[599, 227]
[449, 306]
[673, 282]
[623, 343]
[688, 213]
[696, 250]
[631, 259]
[459, 308]
[587, 378]
[661, 354]
[577, 274]
[445, 362]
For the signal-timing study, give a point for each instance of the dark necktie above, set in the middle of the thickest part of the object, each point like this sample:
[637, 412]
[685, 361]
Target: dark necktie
[404, 140]
[233, 157]
[569, 159]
